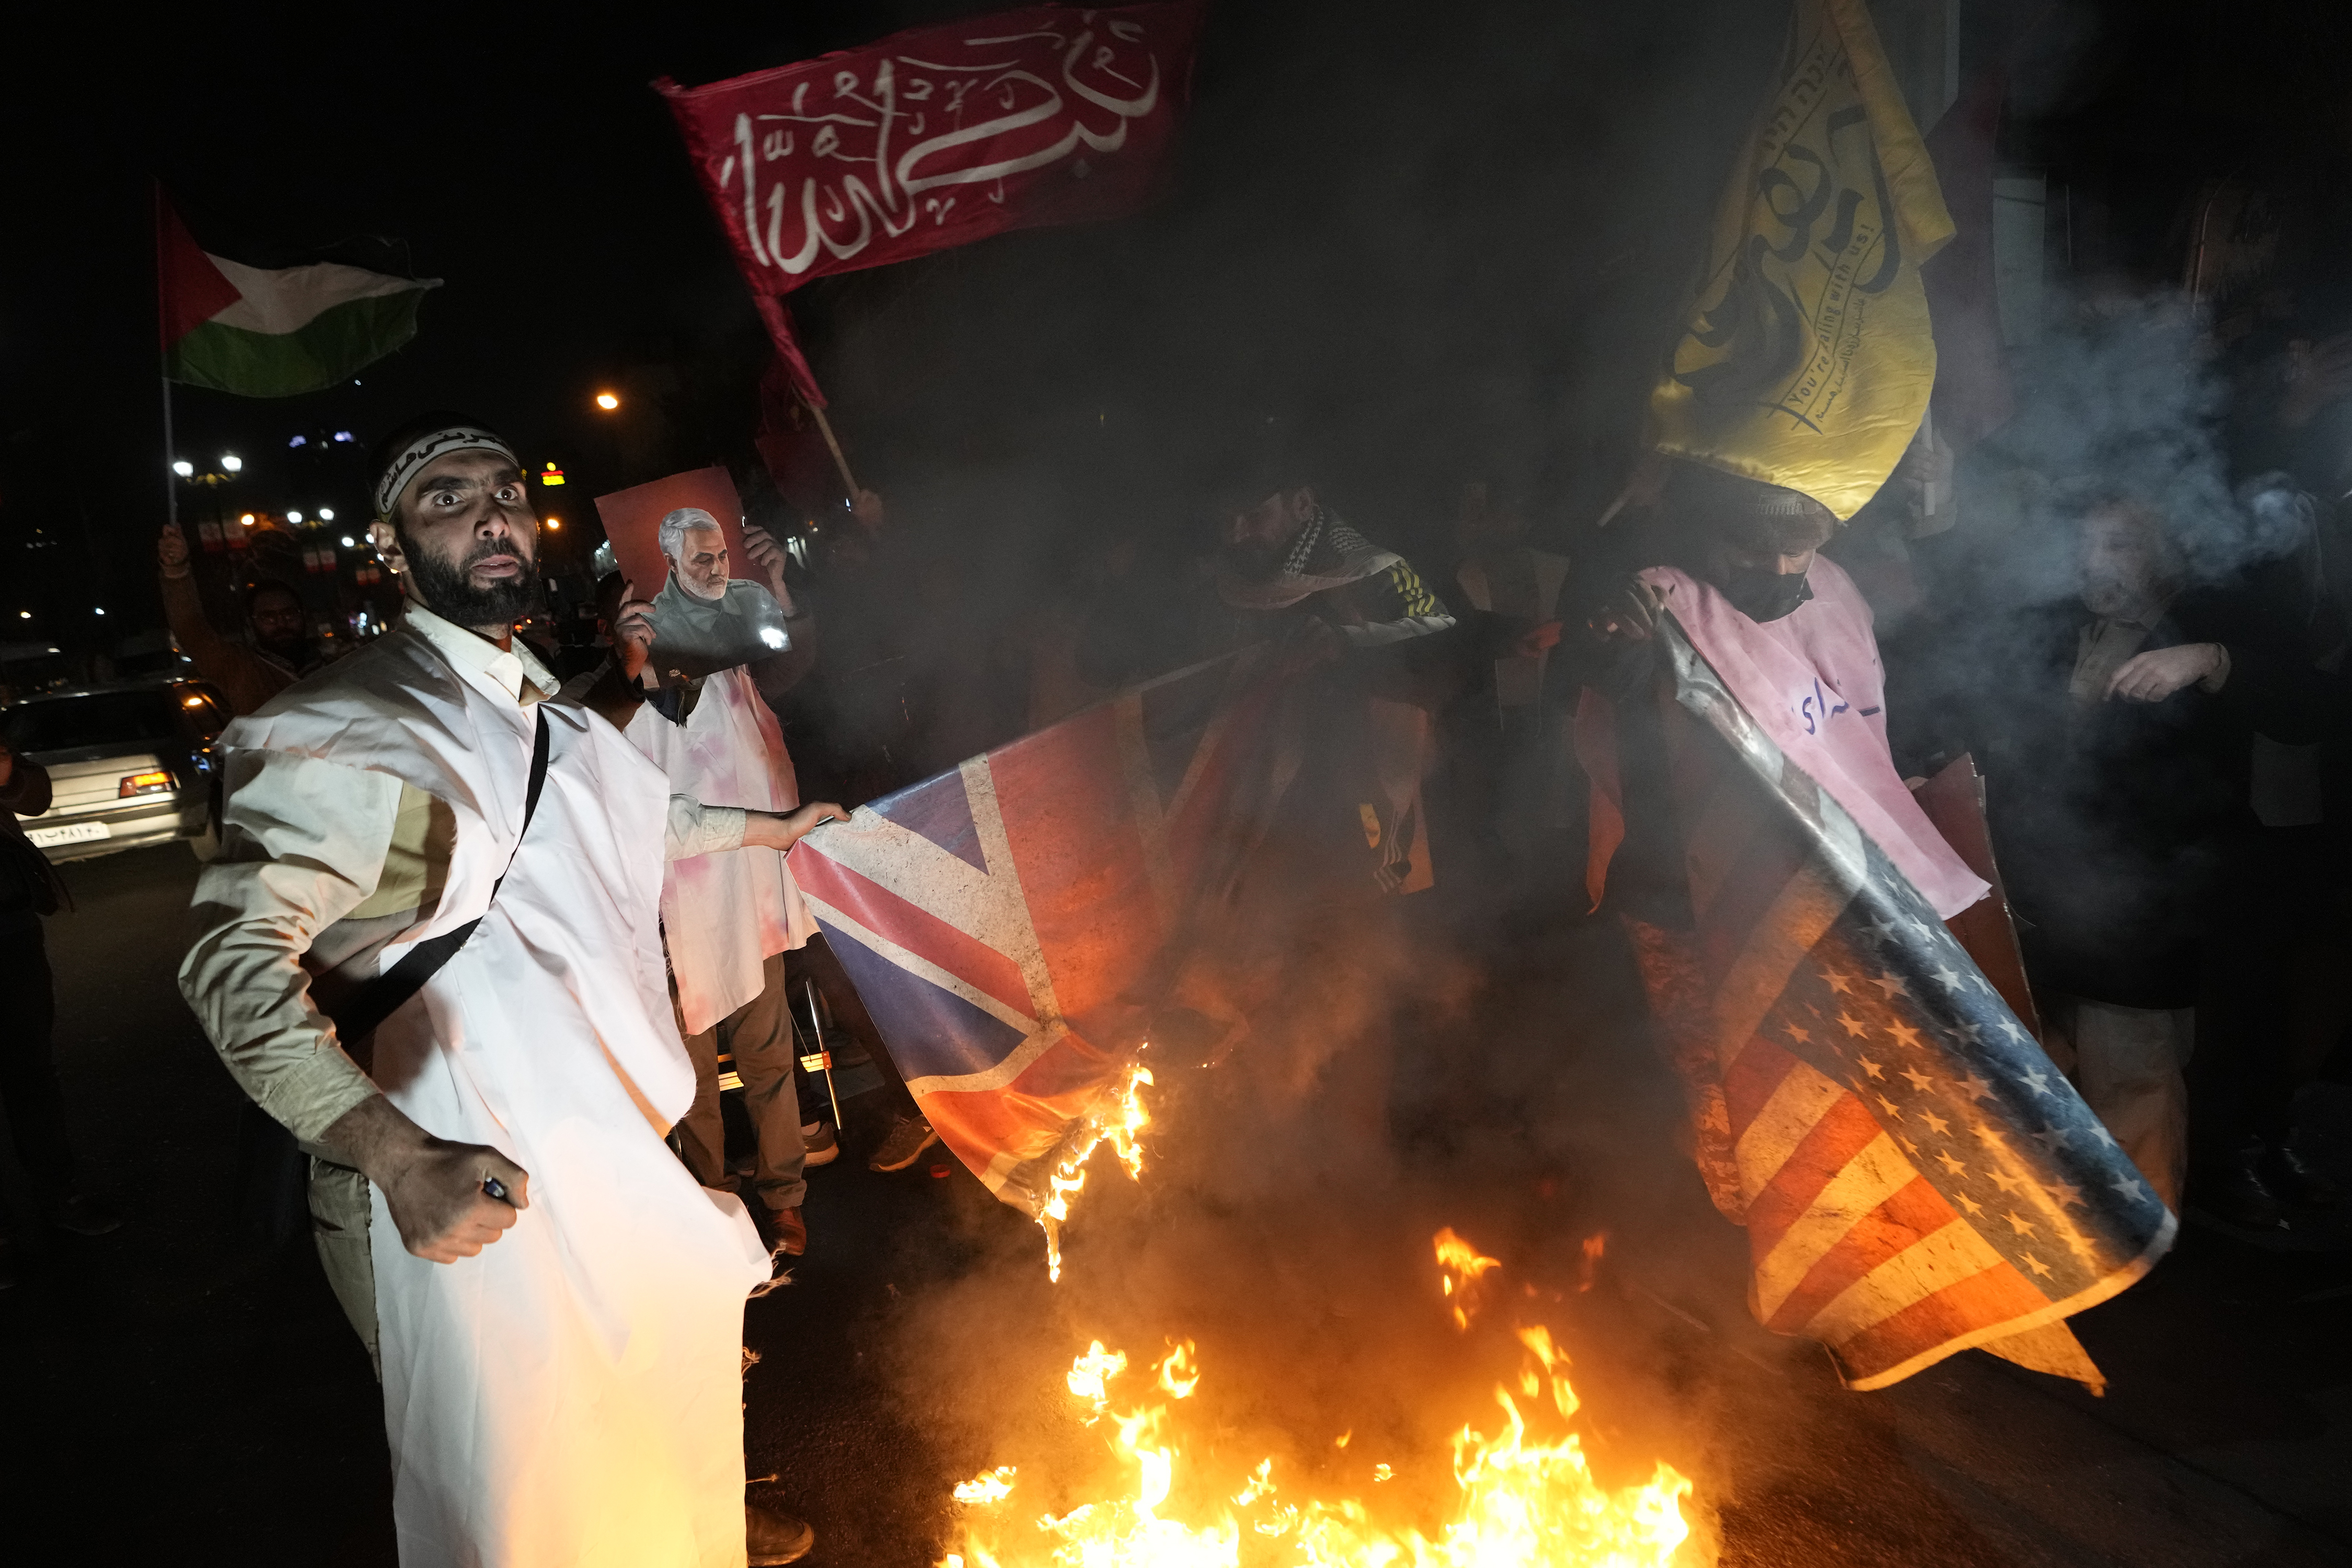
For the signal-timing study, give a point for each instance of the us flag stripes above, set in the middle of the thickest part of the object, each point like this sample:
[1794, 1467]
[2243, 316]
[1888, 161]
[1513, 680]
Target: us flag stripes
[1915, 1176]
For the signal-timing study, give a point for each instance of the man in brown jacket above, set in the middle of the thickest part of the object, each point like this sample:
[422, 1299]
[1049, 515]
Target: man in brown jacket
[247, 676]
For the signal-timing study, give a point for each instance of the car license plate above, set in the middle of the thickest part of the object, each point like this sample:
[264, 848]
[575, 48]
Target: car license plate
[67, 833]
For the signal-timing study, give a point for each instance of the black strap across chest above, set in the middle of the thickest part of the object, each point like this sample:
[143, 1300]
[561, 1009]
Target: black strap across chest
[356, 1015]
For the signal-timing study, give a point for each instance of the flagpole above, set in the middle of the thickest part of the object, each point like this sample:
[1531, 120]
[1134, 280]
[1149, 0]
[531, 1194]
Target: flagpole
[824, 429]
[171, 479]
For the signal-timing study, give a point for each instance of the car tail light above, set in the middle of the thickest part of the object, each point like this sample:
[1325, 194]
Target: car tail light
[157, 783]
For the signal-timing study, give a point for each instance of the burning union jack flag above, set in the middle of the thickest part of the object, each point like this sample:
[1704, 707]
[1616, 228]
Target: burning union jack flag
[1009, 924]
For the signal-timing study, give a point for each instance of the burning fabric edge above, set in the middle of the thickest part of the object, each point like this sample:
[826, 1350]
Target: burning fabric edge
[1012, 925]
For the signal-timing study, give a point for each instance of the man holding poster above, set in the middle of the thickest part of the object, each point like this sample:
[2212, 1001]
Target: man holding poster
[722, 647]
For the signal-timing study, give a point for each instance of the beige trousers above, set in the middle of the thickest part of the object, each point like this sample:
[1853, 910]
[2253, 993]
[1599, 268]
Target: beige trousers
[338, 1228]
[2127, 1063]
[759, 1035]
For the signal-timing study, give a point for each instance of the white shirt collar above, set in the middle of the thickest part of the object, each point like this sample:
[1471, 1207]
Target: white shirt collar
[516, 670]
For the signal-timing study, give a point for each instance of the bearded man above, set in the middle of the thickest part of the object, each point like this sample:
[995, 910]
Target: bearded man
[729, 918]
[278, 651]
[429, 948]
[1307, 953]
[705, 620]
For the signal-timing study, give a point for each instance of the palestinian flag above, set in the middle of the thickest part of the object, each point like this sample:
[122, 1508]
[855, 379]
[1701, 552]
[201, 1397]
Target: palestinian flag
[260, 334]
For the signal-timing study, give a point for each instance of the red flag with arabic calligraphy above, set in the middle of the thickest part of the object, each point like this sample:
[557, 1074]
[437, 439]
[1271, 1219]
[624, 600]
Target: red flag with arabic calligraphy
[937, 137]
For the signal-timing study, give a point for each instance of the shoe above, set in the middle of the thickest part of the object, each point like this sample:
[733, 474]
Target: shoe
[909, 1136]
[2296, 1184]
[86, 1215]
[823, 1145]
[2231, 1190]
[787, 1233]
[771, 1538]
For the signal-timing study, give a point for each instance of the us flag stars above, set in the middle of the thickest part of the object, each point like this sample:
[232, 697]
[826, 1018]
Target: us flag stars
[1961, 1065]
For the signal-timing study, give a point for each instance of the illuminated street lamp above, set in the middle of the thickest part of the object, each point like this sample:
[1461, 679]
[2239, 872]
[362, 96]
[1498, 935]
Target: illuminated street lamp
[230, 463]
[247, 519]
[607, 401]
[556, 523]
[184, 468]
[326, 514]
[349, 543]
[293, 516]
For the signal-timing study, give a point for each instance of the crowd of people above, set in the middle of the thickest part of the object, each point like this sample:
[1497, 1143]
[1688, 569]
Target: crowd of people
[472, 890]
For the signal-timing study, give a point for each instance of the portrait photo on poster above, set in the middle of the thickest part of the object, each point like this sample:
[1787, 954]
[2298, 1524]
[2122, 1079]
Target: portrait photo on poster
[679, 542]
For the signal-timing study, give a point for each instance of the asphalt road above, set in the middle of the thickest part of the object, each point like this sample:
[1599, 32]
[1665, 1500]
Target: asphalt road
[177, 1391]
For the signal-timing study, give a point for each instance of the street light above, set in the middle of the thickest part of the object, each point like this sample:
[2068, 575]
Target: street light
[326, 514]
[349, 543]
[607, 402]
[247, 519]
[231, 464]
[556, 523]
[184, 468]
[293, 516]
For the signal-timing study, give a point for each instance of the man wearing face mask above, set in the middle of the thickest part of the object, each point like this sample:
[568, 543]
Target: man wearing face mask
[1790, 638]
[430, 948]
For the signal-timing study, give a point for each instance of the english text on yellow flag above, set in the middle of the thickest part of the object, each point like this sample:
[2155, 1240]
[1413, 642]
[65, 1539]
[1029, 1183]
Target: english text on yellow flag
[1806, 358]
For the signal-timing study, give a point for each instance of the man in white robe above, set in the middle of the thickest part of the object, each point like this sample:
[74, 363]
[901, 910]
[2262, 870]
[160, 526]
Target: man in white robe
[729, 917]
[556, 1304]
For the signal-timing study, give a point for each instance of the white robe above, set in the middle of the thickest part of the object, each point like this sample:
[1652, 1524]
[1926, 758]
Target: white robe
[572, 1395]
[726, 911]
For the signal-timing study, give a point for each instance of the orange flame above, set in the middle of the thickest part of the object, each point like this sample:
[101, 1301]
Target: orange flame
[1123, 1127]
[1090, 1376]
[1459, 1270]
[1519, 1502]
[1179, 1374]
[1594, 1245]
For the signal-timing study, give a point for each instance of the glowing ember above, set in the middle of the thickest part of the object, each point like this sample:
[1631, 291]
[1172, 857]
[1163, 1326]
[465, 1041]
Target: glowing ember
[1519, 1501]
[1122, 1128]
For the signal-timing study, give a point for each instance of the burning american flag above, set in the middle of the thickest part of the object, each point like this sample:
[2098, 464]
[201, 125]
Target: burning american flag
[1915, 1176]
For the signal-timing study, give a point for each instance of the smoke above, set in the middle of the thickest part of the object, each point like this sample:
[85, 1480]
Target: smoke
[2121, 399]
[1284, 1224]
[1429, 247]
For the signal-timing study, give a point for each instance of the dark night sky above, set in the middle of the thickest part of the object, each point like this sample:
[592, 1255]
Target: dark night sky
[1437, 238]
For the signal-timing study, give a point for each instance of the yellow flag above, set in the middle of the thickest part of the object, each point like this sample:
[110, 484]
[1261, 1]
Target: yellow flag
[1806, 359]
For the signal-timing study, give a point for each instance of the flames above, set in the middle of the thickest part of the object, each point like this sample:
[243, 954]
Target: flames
[1519, 1500]
[1122, 1128]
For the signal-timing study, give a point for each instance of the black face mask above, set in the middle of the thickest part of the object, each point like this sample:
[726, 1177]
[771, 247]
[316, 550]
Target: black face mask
[1763, 595]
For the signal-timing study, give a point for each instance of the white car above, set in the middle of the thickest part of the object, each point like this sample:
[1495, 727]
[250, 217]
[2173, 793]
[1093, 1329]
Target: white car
[129, 764]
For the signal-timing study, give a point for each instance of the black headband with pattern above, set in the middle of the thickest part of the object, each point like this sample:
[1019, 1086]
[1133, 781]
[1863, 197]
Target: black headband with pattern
[424, 448]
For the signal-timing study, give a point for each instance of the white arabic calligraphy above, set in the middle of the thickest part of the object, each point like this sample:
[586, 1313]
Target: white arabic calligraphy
[881, 194]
